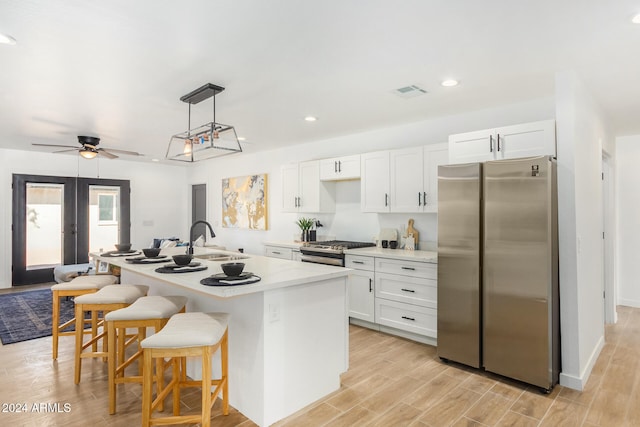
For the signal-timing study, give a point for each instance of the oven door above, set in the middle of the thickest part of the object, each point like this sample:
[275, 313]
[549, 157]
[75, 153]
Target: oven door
[323, 259]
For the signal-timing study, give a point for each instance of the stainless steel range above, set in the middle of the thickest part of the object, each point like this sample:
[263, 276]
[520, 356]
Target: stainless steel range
[330, 252]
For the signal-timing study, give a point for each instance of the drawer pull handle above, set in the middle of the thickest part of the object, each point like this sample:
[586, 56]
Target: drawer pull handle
[357, 262]
[408, 290]
[408, 268]
[409, 318]
[277, 253]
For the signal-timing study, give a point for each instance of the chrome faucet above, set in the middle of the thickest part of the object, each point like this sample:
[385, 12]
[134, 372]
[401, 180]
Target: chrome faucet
[190, 248]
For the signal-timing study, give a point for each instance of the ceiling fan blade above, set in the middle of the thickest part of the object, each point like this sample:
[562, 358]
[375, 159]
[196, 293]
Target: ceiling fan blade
[66, 151]
[130, 153]
[105, 153]
[55, 145]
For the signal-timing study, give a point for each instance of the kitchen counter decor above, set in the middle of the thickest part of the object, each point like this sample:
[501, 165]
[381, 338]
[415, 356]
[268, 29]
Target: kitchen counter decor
[148, 260]
[221, 279]
[174, 268]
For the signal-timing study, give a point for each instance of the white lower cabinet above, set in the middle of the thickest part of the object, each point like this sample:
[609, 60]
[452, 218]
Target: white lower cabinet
[407, 317]
[402, 295]
[282, 252]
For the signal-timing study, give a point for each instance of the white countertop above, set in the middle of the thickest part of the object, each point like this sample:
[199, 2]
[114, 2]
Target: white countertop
[275, 273]
[285, 244]
[401, 254]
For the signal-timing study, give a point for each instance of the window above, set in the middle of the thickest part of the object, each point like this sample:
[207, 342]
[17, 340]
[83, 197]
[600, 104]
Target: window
[107, 208]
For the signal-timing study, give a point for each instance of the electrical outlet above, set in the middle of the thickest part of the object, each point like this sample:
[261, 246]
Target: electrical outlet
[274, 312]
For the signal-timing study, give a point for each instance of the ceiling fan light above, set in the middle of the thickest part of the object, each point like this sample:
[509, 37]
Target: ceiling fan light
[88, 154]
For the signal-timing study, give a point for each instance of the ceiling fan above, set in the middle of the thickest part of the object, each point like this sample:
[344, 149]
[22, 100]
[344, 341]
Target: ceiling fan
[89, 148]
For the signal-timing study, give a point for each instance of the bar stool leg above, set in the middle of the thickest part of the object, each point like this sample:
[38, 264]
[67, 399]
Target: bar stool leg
[55, 321]
[79, 339]
[147, 386]
[177, 372]
[224, 354]
[111, 338]
[206, 387]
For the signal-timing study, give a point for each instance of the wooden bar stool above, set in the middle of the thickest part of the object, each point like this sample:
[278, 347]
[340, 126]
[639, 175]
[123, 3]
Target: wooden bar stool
[186, 335]
[109, 298]
[153, 312]
[78, 286]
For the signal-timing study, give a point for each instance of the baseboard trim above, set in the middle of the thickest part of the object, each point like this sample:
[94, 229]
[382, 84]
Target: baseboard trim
[629, 303]
[393, 331]
[578, 383]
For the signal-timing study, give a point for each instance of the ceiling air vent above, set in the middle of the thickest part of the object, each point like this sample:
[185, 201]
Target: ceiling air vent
[410, 91]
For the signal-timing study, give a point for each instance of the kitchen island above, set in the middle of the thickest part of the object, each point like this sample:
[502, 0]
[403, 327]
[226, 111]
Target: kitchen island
[288, 333]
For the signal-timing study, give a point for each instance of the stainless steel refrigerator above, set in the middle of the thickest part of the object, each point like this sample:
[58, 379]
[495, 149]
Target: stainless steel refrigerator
[498, 268]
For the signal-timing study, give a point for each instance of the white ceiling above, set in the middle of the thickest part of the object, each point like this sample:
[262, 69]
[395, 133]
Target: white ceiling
[117, 68]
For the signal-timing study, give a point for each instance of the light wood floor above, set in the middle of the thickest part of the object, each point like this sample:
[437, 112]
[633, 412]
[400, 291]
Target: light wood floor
[391, 382]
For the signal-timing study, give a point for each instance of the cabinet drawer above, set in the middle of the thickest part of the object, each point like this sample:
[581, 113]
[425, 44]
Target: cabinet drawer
[408, 317]
[412, 290]
[359, 262]
[407, 268]
[278, 252]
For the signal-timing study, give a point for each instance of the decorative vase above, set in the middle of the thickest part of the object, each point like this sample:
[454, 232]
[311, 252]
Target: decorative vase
[305, 236]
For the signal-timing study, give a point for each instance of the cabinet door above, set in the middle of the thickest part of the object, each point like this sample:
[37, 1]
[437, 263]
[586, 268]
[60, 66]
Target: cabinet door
[525, 140]
[338, 168]
[309, 187]
[406, 179]
[290, 188]
[349, 167]
[433, 157]
[361, 295]
[374, 185]
[472, 147]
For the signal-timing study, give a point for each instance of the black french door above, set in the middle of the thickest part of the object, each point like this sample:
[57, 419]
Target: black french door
[57, 219]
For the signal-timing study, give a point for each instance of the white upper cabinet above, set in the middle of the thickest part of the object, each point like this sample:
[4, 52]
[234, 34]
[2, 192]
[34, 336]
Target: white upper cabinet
[374, 184]
[508, 142]
[302, 190]
[404, 180]
[339, 168]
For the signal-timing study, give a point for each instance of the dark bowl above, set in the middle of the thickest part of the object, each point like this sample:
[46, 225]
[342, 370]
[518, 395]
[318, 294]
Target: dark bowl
[151, 252]
[182, 259]
[123, 247]
[233, 268]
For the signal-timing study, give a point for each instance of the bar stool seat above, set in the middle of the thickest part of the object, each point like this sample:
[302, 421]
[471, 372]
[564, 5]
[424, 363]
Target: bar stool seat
[78, 286]
[109, 298]
[187, 334]
[150, 311]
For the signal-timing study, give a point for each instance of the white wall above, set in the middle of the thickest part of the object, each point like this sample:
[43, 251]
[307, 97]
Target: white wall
[348, 222]
[628, 196]
[158, 194]
[581, 135]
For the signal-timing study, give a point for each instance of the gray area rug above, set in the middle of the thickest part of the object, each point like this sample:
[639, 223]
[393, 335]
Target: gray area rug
[27, 315]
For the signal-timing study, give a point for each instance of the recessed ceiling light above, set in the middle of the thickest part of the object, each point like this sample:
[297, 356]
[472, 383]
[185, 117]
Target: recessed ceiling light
[449, 83]
[311, 118]
[636, 19]
[7, 39]
[241, 138]
[155, 160]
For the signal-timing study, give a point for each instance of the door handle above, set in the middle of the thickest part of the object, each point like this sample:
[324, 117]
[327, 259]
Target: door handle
[370, 285]
[386, 199]
[339, 166]
[424, 198]
[335, 167]
[491, 143]
[498, 141]
[419, 201]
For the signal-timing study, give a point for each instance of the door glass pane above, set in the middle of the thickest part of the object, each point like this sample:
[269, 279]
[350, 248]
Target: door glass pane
[104, 217]
[44, 225]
